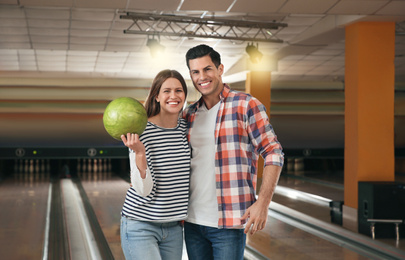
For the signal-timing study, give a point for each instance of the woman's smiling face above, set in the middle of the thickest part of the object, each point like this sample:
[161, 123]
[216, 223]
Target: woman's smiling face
[171, 96]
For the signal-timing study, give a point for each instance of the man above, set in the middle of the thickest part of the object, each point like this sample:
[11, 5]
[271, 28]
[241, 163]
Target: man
[228, 130]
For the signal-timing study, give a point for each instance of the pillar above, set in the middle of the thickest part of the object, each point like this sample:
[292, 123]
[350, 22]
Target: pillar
[369, 110]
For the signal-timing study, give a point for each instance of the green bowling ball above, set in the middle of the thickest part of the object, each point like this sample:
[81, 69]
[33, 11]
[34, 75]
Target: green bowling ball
[124, 115]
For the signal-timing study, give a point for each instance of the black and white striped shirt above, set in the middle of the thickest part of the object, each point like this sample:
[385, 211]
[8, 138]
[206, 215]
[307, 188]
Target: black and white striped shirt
[168, 158]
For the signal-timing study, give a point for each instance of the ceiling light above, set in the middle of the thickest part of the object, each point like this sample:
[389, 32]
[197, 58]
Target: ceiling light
[254, 53]
[155, 47]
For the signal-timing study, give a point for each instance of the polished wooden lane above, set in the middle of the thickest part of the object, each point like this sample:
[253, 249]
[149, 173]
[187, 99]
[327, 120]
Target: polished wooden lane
[325, 185]
[277, 241]
[23, 209]
[107, 194]
[23, 217]
[282, 241]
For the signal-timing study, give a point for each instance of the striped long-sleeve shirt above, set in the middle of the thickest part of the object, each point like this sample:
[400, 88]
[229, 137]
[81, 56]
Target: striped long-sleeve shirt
[168, 158]
[242, 133]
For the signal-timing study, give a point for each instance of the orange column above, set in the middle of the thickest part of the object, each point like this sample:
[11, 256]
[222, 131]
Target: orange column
[369, 106]
[258, 84]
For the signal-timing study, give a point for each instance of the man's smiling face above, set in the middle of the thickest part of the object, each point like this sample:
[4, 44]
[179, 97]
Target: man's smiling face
[205, 76]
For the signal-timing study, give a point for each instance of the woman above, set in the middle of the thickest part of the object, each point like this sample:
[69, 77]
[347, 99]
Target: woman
[160, 170]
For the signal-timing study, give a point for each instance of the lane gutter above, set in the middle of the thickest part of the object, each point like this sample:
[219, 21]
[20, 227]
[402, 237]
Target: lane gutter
[47, 224]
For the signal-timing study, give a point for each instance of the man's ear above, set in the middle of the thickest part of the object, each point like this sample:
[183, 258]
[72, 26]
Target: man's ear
[221, 69]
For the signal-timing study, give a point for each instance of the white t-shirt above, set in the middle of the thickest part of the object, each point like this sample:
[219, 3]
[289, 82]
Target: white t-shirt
[203, 205]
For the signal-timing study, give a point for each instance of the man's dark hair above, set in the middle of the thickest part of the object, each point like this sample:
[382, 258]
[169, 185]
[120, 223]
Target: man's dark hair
[201, 51]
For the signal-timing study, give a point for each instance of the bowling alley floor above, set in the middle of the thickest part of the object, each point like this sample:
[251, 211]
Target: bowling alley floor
[26, 195]
[279, 240]
[328, 186]
[23, 203]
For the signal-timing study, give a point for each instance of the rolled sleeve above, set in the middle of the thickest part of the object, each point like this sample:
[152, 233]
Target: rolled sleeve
[262, 134]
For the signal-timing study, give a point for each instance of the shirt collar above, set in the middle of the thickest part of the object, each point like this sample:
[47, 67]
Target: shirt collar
[224, 93]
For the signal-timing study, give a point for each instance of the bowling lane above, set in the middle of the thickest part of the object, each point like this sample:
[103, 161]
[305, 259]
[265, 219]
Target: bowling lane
[279, 240]
[106, 194]
[330, 190]
[326, 185]
[23, 211]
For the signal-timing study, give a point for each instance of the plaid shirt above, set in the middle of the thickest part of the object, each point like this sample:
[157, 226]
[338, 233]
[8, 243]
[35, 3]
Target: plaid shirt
[242, 133]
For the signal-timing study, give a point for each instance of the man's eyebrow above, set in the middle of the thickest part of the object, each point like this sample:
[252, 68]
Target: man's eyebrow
[206, 67]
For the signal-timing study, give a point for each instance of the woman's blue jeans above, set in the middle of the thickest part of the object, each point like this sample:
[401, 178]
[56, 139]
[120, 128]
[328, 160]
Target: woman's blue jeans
[207, 243]
[148, 240]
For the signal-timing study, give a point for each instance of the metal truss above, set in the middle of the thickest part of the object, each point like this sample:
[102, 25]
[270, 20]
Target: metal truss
[188, 26]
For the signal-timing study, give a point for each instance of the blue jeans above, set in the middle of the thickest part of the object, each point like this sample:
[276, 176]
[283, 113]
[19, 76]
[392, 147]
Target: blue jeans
[148, 240]
[206, 243]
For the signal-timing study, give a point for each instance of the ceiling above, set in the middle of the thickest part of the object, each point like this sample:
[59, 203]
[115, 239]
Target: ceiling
[84, 38]
[61, 58]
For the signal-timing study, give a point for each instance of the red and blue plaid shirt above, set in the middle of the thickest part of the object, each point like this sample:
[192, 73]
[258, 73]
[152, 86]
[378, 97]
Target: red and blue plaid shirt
[242, 133]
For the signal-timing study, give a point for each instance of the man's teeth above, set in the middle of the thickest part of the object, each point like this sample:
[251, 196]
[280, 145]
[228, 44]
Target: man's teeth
[204, 84]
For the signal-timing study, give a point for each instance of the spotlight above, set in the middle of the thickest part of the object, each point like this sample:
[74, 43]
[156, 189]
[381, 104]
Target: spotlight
[155, 47]
[254, 53]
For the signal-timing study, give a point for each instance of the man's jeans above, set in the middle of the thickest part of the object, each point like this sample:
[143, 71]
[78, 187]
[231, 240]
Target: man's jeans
[206, 243]
[147, 240]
